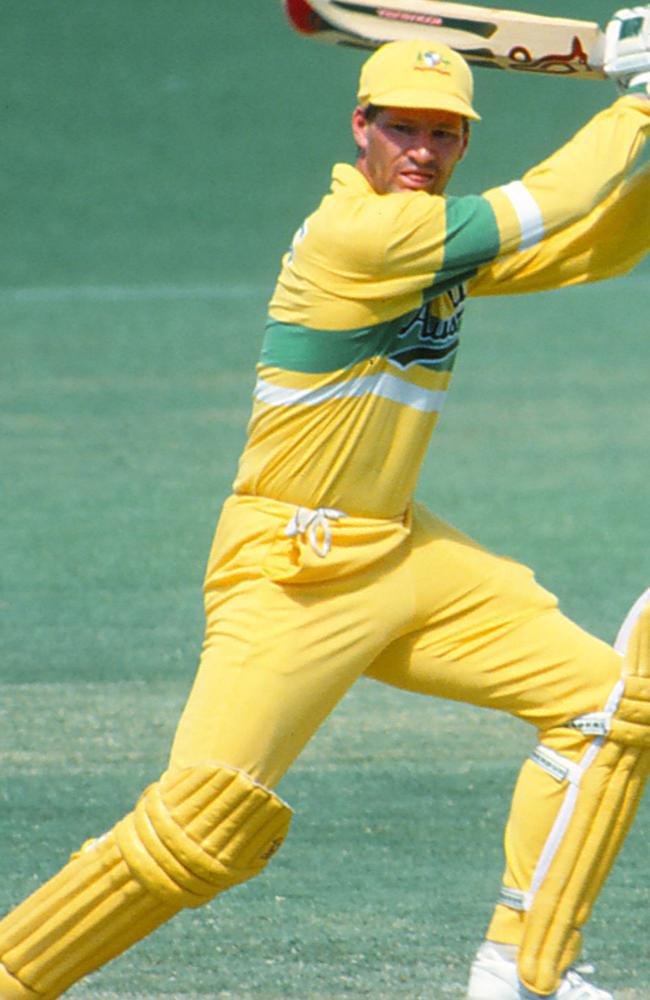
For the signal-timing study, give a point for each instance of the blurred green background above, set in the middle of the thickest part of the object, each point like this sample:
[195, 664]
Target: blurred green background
[156, 160]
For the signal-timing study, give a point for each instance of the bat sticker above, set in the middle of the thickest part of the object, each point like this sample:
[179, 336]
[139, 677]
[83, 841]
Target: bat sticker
[522, 59]
[482, 28]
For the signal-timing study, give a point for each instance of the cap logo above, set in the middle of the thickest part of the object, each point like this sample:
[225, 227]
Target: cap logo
[431, 61]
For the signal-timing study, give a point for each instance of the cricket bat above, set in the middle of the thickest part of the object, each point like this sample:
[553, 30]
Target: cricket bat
[485, 36]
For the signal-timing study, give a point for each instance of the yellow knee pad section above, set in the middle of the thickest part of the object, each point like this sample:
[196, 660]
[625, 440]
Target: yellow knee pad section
[603, 791]
[200, 832]
[192, 835]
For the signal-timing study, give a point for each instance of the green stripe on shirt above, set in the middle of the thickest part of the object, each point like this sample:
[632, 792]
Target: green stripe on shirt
[304, 349]
[471, 240]
[413, 338]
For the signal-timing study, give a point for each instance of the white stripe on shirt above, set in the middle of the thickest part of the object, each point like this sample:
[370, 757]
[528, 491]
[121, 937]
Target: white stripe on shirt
[385, 386]
[528, 213]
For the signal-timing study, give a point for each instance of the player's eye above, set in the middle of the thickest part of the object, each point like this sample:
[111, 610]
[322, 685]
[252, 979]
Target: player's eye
[444, 133]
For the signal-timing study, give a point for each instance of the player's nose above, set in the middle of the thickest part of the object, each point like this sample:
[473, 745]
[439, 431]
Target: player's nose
[422, 151]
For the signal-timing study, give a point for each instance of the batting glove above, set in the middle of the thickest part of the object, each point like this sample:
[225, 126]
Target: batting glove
[627, 50]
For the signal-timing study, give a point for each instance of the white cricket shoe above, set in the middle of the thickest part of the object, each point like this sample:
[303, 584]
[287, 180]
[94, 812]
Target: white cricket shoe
[494, 977]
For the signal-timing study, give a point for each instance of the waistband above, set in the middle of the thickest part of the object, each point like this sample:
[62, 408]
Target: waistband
[312, 524]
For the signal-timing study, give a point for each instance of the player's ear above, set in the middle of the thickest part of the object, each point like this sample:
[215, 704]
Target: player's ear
[360, 128]
[465, 138]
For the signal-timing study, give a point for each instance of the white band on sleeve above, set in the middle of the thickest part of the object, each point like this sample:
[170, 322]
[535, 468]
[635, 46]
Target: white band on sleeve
[528, 213]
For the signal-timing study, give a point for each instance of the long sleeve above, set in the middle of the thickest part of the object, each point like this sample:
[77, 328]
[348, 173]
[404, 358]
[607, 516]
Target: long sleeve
[609, 241]
[573, 181]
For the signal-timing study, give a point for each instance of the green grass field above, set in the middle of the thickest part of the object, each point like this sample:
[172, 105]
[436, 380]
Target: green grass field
[158, 158]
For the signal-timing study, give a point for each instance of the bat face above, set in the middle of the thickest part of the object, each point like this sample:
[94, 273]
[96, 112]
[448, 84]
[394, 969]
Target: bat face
[485, 36]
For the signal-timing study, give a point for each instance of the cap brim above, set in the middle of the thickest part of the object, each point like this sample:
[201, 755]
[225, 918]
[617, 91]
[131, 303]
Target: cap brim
[424, 99]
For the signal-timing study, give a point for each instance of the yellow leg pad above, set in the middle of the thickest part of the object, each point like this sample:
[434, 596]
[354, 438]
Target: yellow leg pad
[630, 723]
[11, 989]
[201, 831]
[191, 835]
[589, 834]
[609, 795]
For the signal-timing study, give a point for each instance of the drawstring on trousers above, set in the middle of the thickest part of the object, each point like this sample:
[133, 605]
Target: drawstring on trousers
[315, 524]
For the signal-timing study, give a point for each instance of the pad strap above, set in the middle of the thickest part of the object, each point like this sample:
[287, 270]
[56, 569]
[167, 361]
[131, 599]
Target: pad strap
[514, 899]
[559, 767]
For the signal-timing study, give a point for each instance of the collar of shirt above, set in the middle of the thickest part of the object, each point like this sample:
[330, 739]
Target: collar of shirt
[345, 176]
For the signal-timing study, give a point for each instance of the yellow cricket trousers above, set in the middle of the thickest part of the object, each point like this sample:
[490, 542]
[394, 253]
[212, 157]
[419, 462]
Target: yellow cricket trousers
[293, 619]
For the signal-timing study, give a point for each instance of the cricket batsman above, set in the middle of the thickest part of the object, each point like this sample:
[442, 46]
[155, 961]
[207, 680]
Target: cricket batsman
[324, 568]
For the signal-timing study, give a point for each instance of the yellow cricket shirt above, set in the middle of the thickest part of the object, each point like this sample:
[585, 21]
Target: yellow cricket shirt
[363, 326]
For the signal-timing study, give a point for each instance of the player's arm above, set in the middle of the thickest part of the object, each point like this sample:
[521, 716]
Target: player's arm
[573, 181]
[615, 235]
[610, 241]
[439, 242]
[589, 167]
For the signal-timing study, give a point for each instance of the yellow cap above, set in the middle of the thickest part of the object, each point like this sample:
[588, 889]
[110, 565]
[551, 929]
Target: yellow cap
[415, 74]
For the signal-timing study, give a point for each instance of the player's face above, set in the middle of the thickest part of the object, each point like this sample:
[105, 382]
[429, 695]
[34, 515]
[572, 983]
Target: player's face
[409, 149]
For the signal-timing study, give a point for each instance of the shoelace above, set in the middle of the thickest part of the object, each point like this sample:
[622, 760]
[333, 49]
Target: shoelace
[315, 524]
